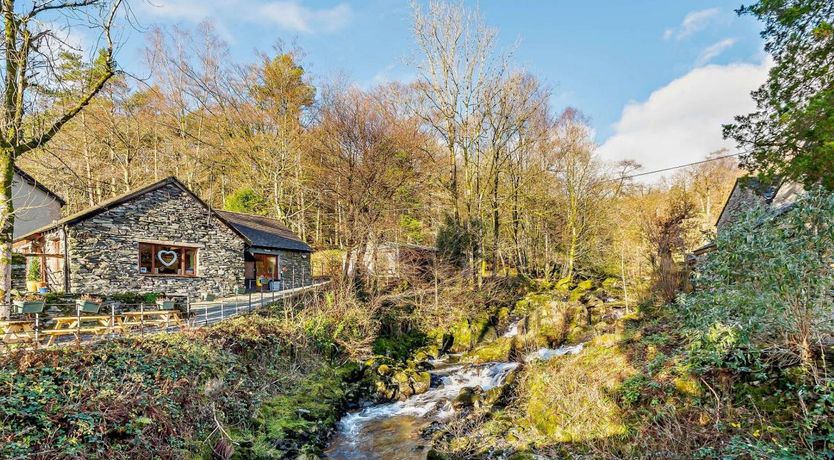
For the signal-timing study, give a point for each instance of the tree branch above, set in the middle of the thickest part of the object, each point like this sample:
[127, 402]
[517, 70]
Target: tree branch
[37, 9]
[86, 98]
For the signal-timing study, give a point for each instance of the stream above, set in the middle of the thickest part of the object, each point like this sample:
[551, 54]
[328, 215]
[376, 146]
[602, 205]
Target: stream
[392, 431]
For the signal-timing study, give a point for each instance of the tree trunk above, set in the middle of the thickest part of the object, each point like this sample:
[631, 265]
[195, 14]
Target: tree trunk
[495, 223]
[6, 230]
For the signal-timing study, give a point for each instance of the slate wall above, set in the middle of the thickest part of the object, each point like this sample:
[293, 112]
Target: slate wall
[296, 269]
[104, 249]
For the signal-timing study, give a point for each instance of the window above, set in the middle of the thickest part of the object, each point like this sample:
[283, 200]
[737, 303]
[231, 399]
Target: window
[162, 259]
[266, 266]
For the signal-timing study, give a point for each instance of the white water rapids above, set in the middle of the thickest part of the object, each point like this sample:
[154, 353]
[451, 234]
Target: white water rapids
[391, 431]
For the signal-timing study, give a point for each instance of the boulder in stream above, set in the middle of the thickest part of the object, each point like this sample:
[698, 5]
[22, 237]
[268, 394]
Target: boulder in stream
[469, 397]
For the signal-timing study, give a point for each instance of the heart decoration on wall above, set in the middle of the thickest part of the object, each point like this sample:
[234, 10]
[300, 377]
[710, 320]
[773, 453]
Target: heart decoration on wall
[168, 258]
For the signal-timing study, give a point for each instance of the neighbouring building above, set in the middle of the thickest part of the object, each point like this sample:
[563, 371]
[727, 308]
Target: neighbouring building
[164, 238]
[35, 205]
[393, 260]
[749, 192]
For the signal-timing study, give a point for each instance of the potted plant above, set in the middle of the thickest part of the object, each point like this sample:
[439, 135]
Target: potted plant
[33, 275]
[29, 303]
[165, 304]
[88, 304]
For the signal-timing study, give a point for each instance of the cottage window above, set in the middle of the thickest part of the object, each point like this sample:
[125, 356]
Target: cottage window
[160, 259]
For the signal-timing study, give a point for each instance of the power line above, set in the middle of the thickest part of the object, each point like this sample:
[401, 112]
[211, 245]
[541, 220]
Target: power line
[679, 166]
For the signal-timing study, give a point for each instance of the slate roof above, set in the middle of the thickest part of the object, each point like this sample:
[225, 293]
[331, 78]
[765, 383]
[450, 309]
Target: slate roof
[118, 200]
[265, 232]
[257, 231]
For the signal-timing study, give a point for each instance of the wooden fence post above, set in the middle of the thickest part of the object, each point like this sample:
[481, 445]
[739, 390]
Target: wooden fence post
[77, 324]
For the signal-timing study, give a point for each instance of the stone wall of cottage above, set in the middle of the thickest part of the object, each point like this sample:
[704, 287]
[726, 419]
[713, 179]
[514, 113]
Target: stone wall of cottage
[104, 249]
[296, 269]
[740, 199]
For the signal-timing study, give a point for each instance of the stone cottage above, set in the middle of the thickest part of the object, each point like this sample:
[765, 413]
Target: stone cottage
[163, 238]
[749, 192]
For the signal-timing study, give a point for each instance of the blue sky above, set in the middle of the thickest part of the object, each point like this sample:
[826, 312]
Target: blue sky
[656, 78]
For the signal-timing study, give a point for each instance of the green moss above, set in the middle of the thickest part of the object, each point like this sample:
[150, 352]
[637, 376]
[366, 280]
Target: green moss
[303, 417]
[468, 333]
[688, 385]
[498, 350]
[400, 346]
[571, 398]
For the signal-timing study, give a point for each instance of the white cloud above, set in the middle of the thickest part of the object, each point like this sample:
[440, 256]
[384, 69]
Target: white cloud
[189, 10]
[390, 74]
[293, 16]
[693, 22]
[681, 122]
[290, 15]
[711, 52]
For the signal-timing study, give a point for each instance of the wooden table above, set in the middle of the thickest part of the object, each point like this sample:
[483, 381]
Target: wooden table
[76, 325]
[17, 331]
[152, 318]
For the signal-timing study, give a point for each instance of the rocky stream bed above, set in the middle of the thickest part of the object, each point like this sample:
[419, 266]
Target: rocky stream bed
[401, 430]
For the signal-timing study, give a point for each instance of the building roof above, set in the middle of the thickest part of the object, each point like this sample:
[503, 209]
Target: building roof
[763, 191]
[34, 182]
[416, 247]
[118, 200]
[264, 232]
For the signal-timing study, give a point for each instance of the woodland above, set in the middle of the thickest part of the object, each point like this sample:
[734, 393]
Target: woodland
[541, 245]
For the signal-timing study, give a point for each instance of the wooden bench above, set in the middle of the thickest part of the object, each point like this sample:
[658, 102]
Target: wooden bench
[157, 318]
[75, 325]
[14, 332]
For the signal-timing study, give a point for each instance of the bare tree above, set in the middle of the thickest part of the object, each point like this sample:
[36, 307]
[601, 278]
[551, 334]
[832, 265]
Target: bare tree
[582, 184]
[458, 68]
[31, 46]
[510, 117]
[367, 159]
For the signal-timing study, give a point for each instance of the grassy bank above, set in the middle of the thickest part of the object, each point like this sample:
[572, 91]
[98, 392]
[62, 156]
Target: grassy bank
[251, 386]
[633, 392]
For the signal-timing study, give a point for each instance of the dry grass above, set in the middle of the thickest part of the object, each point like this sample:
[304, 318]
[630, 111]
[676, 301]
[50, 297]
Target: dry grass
[572, 398]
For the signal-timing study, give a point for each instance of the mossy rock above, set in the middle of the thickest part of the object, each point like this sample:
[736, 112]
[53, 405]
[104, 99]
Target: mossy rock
[563, 284]
[295, 423]
[420, 382]
[581, 288]
[585, 285]
[469, 397]
[383, 369]
[498, 350]
[611, 284]
[469, 333]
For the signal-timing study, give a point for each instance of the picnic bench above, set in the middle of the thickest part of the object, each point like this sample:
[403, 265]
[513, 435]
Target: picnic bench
[19, 331]
[158, 318]
[77, 325]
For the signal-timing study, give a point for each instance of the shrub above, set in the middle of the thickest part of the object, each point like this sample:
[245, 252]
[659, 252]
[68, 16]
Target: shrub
[34, 271]
[768, 285]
